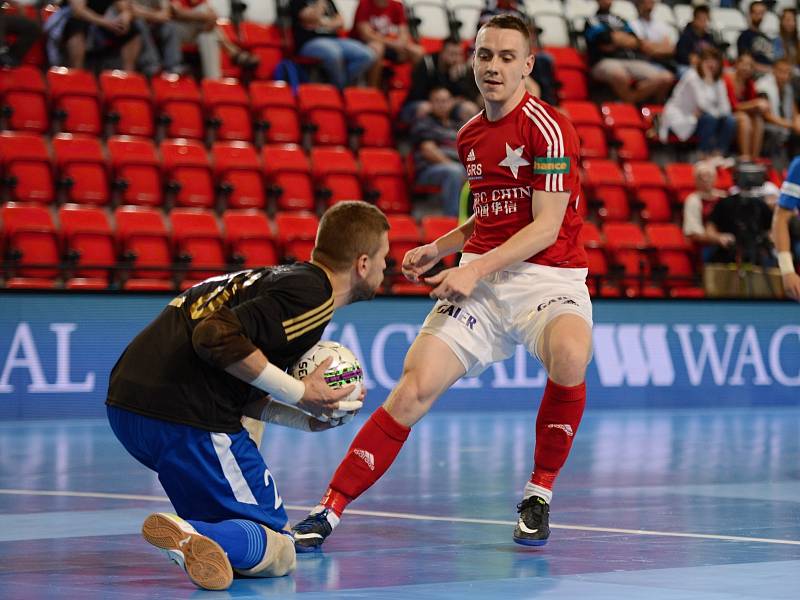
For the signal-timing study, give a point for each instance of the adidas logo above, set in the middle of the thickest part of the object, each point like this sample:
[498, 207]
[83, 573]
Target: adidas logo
[366, 457]
[471, 155]
[565, 428]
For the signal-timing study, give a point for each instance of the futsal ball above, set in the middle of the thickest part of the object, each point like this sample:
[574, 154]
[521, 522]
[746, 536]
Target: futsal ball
[343, 370]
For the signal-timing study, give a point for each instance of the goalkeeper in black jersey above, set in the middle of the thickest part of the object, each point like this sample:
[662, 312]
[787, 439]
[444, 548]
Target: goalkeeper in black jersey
[219, 352]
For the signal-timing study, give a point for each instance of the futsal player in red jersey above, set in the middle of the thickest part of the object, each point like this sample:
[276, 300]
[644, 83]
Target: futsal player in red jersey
[522, 280]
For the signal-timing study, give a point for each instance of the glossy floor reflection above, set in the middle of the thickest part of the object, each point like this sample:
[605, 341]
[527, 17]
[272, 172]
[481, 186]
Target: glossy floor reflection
[652, 505]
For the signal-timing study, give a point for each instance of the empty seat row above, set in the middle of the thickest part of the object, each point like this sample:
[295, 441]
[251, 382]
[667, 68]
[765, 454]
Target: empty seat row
[640, 262]
[180, 172]
[124, 103]
[144, 243]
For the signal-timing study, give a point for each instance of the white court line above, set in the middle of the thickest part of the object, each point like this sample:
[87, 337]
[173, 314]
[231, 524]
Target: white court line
[418, 517]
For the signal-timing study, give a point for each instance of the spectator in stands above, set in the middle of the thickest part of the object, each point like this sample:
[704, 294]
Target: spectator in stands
[161, 40]
[755, 41]
[316, 25]
[617, 60]
[747, 106]
[696, 36]
[436, 159]
[105, 27]
[449, 69]
[382, 25]
[656, 41]
[787, 44]
[26, 32]
[697, 209]
[197, 23]
[699, 106]
[782, 120]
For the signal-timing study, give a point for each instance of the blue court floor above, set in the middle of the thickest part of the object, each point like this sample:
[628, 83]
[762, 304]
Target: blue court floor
[652, 505]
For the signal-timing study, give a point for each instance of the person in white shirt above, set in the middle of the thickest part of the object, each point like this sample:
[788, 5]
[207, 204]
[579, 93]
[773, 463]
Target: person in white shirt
[657, 43]
[698, 206]
[699, 105]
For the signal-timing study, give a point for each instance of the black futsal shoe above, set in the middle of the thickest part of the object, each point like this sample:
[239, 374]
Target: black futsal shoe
[533, 525]
[309, 533]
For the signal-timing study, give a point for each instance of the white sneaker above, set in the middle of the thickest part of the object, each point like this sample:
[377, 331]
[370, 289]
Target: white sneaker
[204, 561]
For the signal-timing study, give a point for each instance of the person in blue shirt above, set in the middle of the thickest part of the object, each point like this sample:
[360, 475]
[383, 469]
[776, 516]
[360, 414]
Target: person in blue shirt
[788, 204]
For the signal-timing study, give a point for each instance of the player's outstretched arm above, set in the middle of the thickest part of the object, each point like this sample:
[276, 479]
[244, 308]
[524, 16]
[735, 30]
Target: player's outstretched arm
[548, 211]
[220, 341]
[272, 411]
[421, 259]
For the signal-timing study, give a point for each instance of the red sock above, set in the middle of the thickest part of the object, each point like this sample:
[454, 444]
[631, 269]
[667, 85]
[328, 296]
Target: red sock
[372, 452]
[556, 425]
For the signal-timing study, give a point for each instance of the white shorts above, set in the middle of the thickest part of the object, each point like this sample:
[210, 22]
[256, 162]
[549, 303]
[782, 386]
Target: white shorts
[508, 308]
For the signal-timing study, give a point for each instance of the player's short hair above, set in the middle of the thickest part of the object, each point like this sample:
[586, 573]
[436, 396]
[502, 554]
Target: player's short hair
[509, 21]
[756, 3]
[346, 231]
[701, 9]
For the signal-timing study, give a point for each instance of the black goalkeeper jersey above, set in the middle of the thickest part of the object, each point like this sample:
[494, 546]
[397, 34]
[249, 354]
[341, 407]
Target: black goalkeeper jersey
[283, 311]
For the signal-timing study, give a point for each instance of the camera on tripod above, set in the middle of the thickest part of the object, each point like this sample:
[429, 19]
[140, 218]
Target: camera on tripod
[746, 215]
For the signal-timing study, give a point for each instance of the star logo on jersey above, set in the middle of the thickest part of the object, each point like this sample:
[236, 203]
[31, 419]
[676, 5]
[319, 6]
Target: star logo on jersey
[471, 155]
[514, 160]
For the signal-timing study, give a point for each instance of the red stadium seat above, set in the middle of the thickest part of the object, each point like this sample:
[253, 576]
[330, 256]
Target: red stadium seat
[621, 114]
[434, 227]
[680, 180]
[188, 173]
[143, 241]
[631, 143]
[31, 283]
[296, 234]
[23, 100]
[666, 236]
[404, 235]
[368, 110]
[88, 240]
[605, 186]
[238, 172]
[82, 170]
[674, 253]
[148, 285]
[567, 57]
[397, 98]
[627, 246]
[593, 141]
[86, 283]
[26, 172]
[136, 171]
[31, 241]
[265, 42]
[590, 235]
[384, 179]
[336, 175]
[178, 106]
[197, 239]
[589, 126]
[582, 112]
[228, 108]
[321, 110]
[74, 96]
[249, 238]
[275, 111]
[649, 188]
[288, 175]
[128, 103]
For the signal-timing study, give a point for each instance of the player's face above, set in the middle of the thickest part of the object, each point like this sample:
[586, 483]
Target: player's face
[367, 285]
[502, 61]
